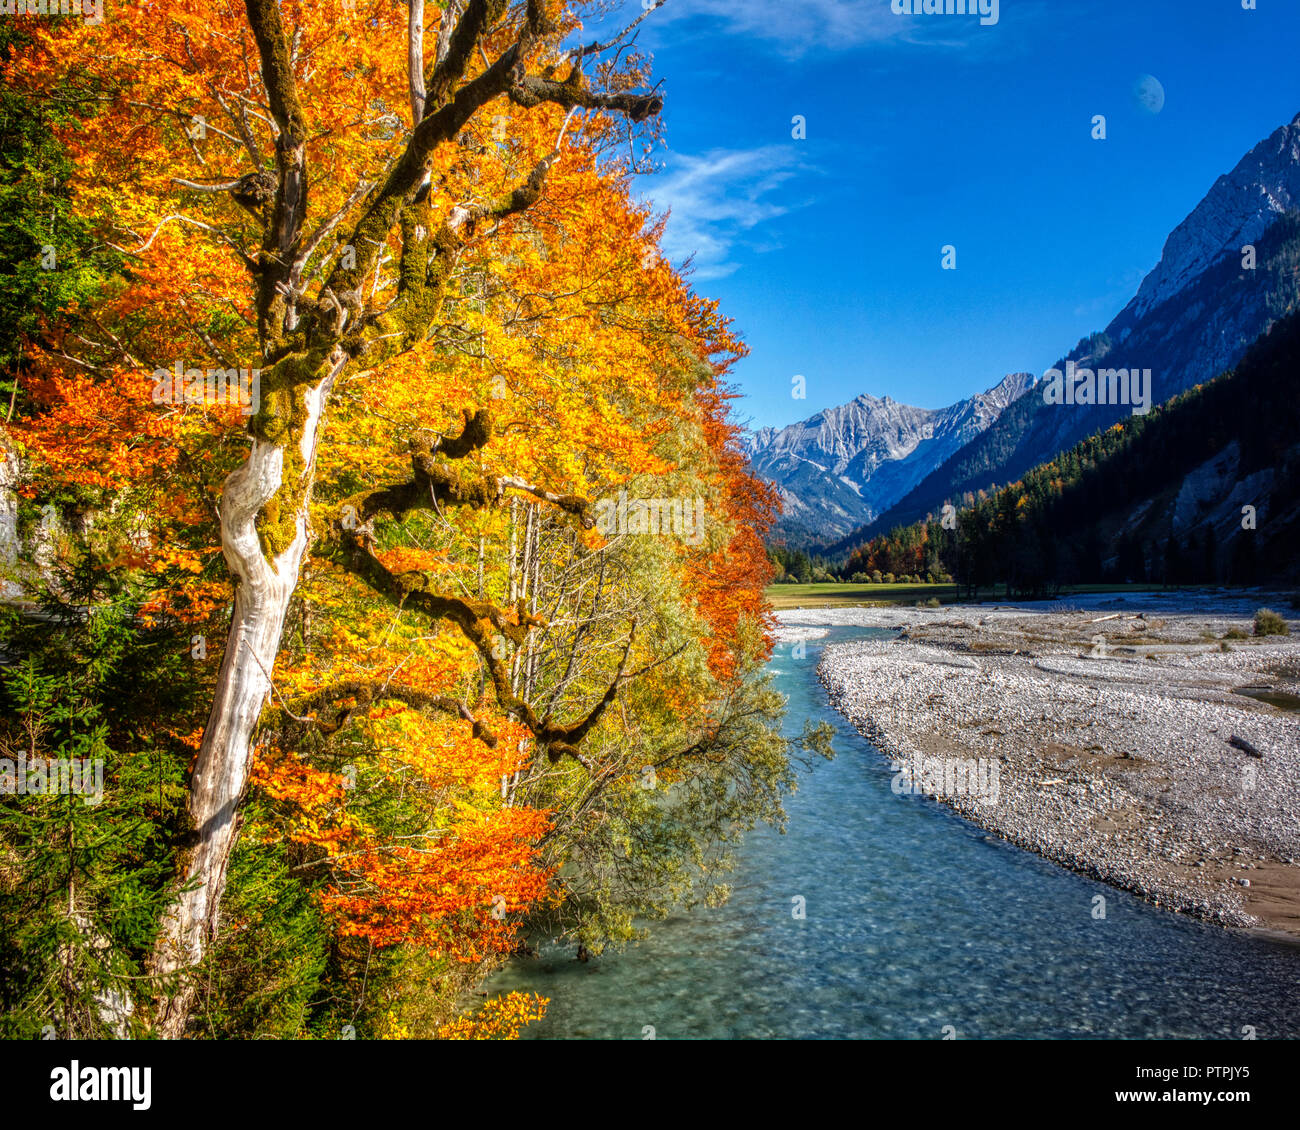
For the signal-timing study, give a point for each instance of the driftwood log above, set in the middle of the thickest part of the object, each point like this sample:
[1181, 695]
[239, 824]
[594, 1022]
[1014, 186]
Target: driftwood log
[1245, 746]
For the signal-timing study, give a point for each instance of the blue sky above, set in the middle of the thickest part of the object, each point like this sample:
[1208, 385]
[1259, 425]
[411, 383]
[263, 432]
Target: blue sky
[930, 130]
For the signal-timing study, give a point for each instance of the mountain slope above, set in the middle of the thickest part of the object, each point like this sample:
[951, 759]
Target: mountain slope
[1192, 318]
[1205, 489]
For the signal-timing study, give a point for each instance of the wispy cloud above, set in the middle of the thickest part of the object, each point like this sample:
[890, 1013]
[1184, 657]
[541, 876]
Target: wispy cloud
[719, 200]
[797, 25]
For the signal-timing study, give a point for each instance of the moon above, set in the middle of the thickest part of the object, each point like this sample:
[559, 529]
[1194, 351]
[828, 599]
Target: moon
[1149, 94]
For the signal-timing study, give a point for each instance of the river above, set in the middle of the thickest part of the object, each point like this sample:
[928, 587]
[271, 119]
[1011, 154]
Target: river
[916, 925]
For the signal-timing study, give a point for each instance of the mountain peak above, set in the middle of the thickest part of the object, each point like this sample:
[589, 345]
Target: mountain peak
[1011, 387]
[843, 465]
[1237, 210]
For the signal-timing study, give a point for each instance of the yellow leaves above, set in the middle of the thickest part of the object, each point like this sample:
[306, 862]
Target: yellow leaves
[501, 1018]
[442, 752]
[405, 558]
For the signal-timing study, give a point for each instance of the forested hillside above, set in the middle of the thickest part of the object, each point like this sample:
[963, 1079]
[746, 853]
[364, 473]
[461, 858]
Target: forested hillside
[1204, 489]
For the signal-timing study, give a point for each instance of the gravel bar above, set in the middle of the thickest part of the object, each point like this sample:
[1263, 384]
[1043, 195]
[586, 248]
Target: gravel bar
[1110, 722]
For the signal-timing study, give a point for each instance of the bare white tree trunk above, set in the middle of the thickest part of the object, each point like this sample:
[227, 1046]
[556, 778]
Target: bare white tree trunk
[9, 475]
[262, 597]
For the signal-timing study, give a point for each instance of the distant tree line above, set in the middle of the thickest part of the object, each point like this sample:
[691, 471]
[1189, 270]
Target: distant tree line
[796, 567]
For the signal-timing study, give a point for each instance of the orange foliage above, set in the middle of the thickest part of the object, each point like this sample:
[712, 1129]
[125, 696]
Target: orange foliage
[593, 354]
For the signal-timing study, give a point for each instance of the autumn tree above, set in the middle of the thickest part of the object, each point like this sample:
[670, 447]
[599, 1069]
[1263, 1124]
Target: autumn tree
[275, 83]
[443, 679]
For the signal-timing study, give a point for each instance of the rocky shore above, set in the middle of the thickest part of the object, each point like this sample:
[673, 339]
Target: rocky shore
[1148, 741]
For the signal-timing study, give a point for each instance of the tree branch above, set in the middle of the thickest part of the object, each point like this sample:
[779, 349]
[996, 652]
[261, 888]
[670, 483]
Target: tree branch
[531, 90]
[482, 622]
[433, 485]
[366, 692]
[415, 58]
[284, 228]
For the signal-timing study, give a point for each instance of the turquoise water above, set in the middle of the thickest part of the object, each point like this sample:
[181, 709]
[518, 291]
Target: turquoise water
[915, 920]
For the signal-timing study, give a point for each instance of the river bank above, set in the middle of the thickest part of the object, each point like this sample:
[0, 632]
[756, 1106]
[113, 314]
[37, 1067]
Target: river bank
[1109, 722]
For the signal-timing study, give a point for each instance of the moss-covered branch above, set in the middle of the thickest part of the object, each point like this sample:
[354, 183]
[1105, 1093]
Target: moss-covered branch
[337, 702]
